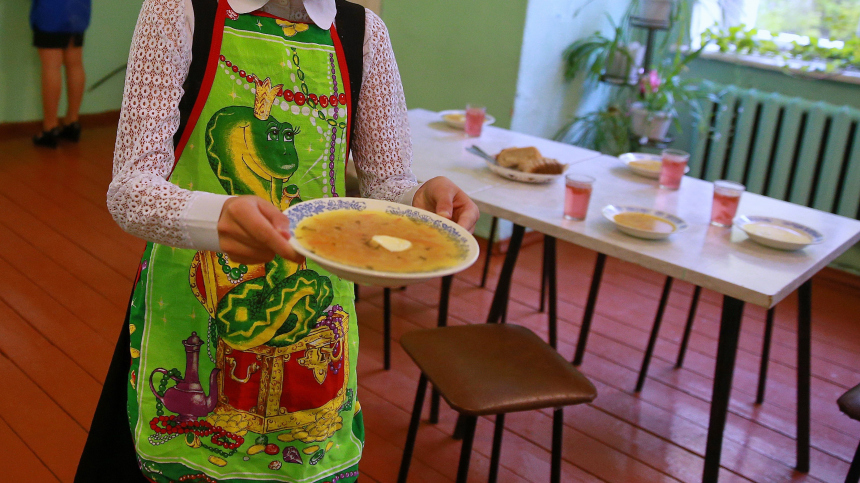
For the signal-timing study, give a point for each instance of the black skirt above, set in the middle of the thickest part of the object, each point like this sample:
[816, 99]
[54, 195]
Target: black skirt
[57, 40]
[109, 455]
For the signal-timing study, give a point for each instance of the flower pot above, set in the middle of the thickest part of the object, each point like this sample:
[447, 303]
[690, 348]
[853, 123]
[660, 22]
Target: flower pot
[654, 13]
[621, 67]
[651, 125]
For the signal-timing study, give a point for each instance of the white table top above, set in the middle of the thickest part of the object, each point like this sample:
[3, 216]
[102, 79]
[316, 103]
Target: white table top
[439, 150]
[720, 259]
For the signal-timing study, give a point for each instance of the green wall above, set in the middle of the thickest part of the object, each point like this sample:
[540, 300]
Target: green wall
[105, 48]
[453, 52]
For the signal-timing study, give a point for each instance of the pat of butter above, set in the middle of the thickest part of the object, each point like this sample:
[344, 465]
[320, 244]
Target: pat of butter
[391, 243]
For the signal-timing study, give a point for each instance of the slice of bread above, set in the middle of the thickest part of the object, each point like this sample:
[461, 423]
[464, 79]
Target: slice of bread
[528, 160]
[515, 157]
[543, 166]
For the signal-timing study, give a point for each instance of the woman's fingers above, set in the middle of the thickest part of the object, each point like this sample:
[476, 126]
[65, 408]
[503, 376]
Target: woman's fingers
[254, 230]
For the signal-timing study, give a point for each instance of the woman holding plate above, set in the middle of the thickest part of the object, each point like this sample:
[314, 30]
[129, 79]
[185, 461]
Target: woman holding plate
[237, 359]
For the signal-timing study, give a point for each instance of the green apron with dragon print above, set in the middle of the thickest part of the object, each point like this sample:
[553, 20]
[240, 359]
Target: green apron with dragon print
[248, 372]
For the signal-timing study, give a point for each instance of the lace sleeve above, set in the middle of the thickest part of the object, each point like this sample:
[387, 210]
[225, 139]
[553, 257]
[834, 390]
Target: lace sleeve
[140, 198]
[382, 147]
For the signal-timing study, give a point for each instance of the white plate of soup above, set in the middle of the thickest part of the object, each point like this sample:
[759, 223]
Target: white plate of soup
[375, 242]
[644, 164]
[457, 118]
[778, 233]
[644, 222]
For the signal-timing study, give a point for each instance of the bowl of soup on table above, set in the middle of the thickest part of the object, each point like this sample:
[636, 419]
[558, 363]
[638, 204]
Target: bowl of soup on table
[644, 222]
[375, 242]
[778, 233]
[644, 164]
[457, 118]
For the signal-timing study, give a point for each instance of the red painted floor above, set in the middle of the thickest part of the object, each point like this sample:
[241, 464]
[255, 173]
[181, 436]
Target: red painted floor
[67, 270]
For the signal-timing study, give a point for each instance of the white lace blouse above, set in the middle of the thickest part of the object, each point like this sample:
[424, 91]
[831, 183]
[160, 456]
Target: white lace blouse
[141, 199]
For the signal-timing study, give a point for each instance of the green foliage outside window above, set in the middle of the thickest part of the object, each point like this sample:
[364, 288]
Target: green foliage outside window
[828, 19]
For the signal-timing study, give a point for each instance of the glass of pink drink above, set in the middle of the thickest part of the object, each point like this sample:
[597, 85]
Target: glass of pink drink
[727, 195]
[474, 120]
[672, 169]
[577, 194]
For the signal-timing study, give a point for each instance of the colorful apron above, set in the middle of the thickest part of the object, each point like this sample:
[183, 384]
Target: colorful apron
[247, 372]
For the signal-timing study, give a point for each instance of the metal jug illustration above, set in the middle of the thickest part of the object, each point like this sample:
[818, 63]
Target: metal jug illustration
[187, 398]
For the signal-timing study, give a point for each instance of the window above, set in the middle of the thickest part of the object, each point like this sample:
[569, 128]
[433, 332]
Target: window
[808, 36]
[836, 20]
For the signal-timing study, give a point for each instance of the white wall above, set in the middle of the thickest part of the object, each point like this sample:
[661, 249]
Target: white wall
[545, 101]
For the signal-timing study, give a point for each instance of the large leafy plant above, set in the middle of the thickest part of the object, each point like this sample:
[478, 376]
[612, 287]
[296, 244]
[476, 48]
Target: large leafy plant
[594, 53]
[662, 89]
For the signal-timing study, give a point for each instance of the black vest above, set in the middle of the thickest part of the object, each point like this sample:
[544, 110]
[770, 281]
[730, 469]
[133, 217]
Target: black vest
[349, 23]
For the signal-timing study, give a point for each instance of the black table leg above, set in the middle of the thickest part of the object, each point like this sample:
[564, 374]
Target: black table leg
[503, 288]
[489, 254]
[655, 330]
[589, 309]
[442, 321]
[413, 429]
[386, 327]
[691, 316]
[804, 355]
[549, 275]
[730, 325]
[765, 356]
[543, 275]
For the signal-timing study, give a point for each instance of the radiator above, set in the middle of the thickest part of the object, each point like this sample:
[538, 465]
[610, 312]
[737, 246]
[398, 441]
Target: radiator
[783, 147]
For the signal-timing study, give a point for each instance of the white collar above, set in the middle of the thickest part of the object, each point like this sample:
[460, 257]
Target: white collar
[322, 12]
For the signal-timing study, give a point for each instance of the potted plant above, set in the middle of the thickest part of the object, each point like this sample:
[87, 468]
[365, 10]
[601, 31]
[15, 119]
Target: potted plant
[606, 130]
[660, 91]
[654, 13]
[611, 58]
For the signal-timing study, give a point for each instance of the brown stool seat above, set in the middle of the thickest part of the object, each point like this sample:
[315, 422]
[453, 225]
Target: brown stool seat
[496, 368]
[849, 403]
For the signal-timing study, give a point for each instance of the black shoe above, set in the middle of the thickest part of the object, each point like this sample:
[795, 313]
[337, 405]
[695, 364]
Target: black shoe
[71, 132]
[47, 139]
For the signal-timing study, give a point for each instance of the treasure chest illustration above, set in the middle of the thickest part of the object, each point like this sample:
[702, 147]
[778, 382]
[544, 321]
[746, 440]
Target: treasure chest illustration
[280, 345]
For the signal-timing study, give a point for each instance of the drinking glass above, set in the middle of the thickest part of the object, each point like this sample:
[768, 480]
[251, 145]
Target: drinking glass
[474, 120]
[727, 195]
[672, 168]
[577, 194]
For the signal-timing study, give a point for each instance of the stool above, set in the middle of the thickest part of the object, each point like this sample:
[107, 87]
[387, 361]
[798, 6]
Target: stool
[849, 403]
[495, 369]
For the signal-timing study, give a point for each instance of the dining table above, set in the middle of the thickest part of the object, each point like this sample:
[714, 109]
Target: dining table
[724, 260]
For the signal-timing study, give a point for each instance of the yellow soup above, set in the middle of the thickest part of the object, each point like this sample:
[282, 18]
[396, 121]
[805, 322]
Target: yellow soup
[647, 165]
[646, 222]
[347, 237]
[455, 118]
[775, 232]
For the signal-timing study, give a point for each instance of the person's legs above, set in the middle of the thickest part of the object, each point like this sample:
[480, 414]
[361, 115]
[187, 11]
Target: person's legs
[52, 61]
[75, 80]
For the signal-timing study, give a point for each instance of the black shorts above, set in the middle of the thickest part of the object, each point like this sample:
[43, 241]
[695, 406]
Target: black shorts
[57, 40]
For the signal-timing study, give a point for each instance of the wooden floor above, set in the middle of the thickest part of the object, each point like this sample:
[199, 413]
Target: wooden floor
[66, 271]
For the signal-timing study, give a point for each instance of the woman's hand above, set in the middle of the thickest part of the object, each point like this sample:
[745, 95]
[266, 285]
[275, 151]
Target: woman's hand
[441, 196]
[252, 230]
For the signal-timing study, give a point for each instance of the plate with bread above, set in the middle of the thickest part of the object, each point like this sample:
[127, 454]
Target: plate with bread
[526, 165]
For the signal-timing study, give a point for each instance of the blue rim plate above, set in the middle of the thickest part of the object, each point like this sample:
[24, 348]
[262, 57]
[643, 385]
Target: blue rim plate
[306, 209]
[455, 122]
[610, 211]
[744, 222]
